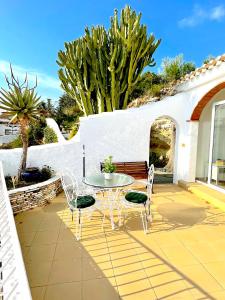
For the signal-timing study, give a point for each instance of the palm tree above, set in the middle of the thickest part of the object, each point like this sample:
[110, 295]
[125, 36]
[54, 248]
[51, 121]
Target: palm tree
[20, 103]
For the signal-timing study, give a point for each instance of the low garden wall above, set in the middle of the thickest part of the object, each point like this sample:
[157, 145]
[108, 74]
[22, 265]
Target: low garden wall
[39, 194]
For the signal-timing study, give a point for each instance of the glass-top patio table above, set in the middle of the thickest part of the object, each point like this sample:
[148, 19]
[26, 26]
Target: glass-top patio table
[113, 187]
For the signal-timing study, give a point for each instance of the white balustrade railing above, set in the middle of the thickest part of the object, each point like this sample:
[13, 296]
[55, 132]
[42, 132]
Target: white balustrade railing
[13, 278]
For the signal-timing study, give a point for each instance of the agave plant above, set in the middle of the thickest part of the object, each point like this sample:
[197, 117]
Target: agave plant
[20, 103]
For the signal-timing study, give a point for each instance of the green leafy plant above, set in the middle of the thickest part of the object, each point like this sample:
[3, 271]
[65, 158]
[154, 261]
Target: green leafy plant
[109, 167]
[36, 131]
[49, 136]
[20, 103]
[46, 172]
[73, 131]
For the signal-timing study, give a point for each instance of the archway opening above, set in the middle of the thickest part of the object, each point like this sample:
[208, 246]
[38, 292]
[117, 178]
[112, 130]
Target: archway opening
[162, 149]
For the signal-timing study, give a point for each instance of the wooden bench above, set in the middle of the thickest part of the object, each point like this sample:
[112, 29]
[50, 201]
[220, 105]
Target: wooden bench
[136, 169]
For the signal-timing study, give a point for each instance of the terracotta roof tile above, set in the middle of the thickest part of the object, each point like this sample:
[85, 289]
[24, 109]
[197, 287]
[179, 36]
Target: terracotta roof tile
[204, 68]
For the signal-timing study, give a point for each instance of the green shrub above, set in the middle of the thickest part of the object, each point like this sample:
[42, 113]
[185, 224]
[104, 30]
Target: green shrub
[49, 136]
[17, 143]
[46, 172]
[36, 132]
[9, 182]
[159, 161]
[155, 90]
[174, 68]
[73, 131]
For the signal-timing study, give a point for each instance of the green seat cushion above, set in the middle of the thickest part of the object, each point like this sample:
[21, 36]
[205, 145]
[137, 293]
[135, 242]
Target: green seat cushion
[83, 201]
[136, 197]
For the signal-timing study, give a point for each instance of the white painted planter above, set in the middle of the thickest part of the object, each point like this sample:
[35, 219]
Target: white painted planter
[108, 176]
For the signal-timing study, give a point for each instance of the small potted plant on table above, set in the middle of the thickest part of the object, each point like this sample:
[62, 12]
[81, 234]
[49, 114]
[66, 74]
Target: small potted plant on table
[108, 168]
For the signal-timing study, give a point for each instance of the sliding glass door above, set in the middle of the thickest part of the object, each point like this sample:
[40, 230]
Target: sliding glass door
[216, 172]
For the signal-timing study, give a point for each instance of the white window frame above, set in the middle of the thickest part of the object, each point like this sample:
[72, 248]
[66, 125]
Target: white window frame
[211, 147]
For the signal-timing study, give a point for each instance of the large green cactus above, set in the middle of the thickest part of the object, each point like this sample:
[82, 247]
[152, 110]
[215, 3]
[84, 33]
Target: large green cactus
[100, 69]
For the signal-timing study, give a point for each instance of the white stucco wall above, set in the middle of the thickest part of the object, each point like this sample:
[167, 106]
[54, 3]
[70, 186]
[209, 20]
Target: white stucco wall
[126, 134]
[58, 156]
[52, 124]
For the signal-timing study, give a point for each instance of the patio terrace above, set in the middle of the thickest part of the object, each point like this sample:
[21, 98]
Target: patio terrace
[181, 258]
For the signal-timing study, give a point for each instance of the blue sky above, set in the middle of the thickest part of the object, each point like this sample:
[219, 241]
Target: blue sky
[32, 32]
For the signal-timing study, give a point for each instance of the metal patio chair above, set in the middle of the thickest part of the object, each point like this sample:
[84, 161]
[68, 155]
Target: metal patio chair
[79, 202]
[140, 200]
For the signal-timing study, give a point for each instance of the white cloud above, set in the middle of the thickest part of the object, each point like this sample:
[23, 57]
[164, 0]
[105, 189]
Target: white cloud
[47, 86]
[217, 13]
[200, 15]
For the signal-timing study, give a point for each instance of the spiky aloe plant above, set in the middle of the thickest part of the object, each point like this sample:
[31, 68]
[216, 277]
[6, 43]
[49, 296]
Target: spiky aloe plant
[20, 103]
[100, 69]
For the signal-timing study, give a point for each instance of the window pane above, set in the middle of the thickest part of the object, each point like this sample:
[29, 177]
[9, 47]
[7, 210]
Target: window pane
[218, 153]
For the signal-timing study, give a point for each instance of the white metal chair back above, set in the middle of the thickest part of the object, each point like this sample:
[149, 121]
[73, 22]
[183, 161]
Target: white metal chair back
[70, 188]
[150, 181]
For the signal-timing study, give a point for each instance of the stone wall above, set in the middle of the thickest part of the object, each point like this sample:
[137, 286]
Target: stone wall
[34, 195]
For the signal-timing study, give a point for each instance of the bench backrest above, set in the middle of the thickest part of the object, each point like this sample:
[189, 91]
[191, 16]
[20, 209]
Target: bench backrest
[137, 169]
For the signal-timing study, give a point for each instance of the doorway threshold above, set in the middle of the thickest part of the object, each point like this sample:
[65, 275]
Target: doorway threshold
[207, 192]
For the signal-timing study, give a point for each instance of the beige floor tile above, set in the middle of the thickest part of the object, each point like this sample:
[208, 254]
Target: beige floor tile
[98, 252]
[150, 260]
[128, 269]
[124, 261]
[126, 247]
[106, 268]
[68, 250]
[199, 278]
[166, 239]
[134, 288]
[45, 237]
[50, 224]
[123, 254]
[217, 270]
[64, 291]
[99, 289]
[38, 293]
[28, 227]
[27, 238]
[219, 295]
[179, 255]
[97, 259]
[65, 271]
[38, 273]
[206, 252]
[171, 289]
[186, 237]
[162, 272]
[94, 242]
[90, 270]
[201, 294]
[130, 277]
[66, 234]
[39, 253]
[148, 294]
